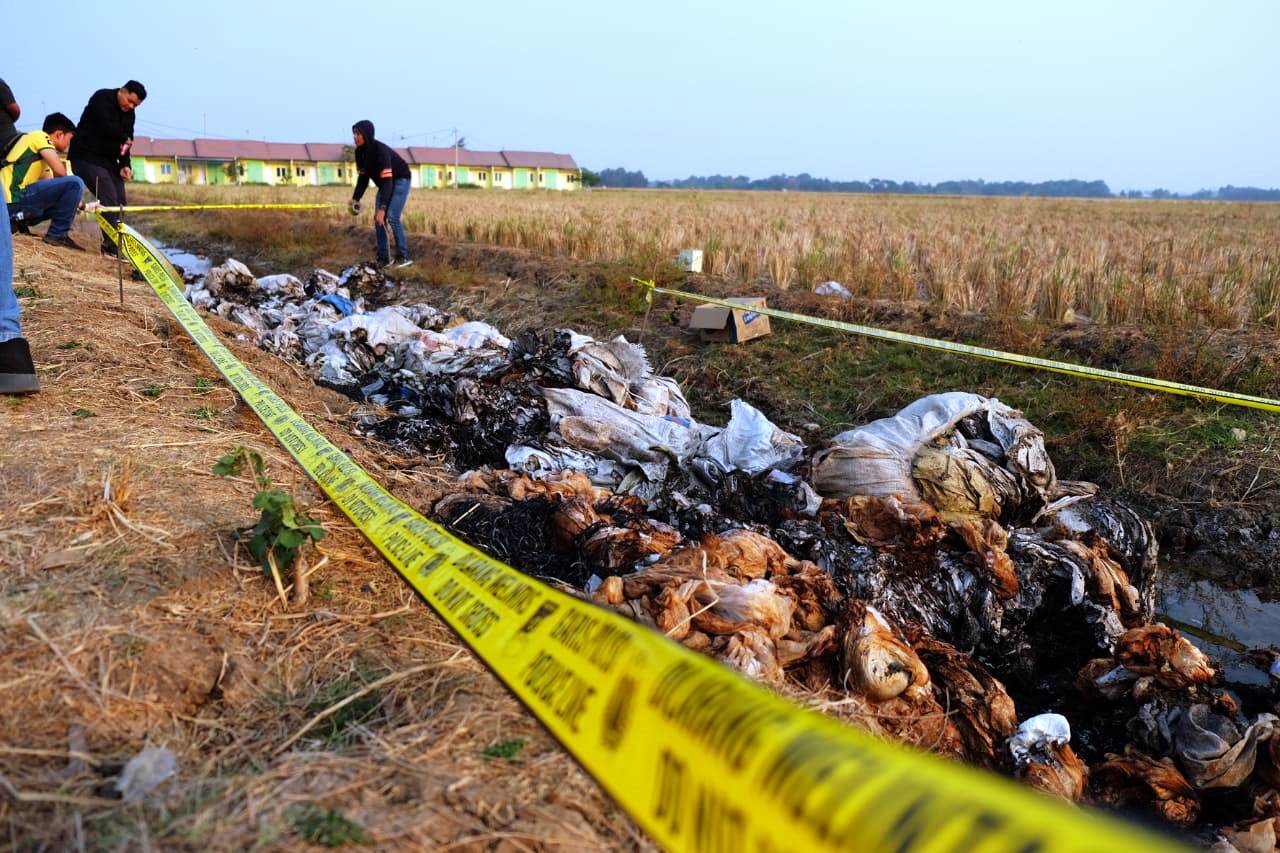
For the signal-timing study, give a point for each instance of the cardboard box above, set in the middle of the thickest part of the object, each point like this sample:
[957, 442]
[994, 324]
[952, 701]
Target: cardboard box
[717, 323]
[690, 260]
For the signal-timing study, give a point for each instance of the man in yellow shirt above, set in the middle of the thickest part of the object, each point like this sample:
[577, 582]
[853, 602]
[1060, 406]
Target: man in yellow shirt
[38, 185]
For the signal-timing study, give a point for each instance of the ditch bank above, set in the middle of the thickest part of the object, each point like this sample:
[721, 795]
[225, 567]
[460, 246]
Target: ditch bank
[1205, 476]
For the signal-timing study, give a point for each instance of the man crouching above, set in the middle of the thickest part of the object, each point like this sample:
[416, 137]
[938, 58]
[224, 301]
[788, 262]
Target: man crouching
[38, 184]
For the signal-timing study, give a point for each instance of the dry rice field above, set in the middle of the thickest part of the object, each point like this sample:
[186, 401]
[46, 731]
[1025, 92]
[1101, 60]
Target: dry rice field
[1161, 264]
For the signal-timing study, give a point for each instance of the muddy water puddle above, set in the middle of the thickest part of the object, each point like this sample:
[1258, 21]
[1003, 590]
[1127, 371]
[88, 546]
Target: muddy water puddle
[1223, 622]
[190, 263]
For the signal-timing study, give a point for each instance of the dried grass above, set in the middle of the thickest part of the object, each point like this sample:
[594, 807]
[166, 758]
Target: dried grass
[1166, 264]
[128, 616]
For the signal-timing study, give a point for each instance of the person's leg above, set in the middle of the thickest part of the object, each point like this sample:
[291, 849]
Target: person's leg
[54, 198]
[399, 196]
[17, 371]
[98, 180]
[10, 328]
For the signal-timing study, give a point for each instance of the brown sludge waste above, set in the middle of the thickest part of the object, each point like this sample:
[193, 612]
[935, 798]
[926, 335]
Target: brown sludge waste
[927, 577]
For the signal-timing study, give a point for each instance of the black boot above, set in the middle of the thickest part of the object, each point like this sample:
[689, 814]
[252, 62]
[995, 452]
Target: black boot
[17, 370]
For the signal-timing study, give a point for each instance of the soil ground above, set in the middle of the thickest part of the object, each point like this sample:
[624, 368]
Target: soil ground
[128, 618]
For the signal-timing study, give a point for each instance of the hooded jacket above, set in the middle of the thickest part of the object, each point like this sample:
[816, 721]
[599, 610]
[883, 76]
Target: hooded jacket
[377, 162]
[104, 133]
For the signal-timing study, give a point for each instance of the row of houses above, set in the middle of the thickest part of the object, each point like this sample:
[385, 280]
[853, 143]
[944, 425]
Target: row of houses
[247, 161]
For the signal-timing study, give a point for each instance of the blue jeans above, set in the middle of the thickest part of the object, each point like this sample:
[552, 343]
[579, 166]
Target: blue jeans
[9, 328]
[399, 195]
[53, 198]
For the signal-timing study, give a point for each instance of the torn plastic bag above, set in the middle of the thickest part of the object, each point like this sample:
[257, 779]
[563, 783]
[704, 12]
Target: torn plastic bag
[1136, 780]
[384, 326]
[475, 335]
[242, 314]
[283, 285]
[144, 772]
[228, 278]
[608, 369]
[750, 442]
[340, 303]
[804, 501]
[313, 331]
[332, 365]
[281, 340]
[426, 316]
[549, 458]
[661, 396]
[833, 288]
[323, 281]
[1038, 734]
[1212, 749]
[364, 279]
[433, 354]
[587, 422]
[958, 432]
[198, 296]
[1042, 754]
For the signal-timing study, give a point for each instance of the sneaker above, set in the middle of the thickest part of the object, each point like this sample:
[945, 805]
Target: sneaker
[17, 370]
[381, 264]
[402, 263]
[17, 226]
[109, 250]
[64, 241]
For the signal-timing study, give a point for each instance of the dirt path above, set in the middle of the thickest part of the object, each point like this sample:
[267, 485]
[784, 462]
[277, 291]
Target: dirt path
[128, 618]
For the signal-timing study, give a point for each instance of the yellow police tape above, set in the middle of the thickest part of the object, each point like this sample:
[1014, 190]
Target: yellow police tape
[1082, 370]
[152, 208]
[701, 758]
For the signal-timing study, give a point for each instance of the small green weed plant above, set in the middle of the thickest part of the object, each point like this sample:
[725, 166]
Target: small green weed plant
[282, 529]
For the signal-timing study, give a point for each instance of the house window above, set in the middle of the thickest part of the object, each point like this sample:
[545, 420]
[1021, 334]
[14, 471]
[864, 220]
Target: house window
[340, 175]
[539, 177]
[450, 174]
[497, 176]
[301, 171]
[166, 168]
[281, 172]
[480, 175]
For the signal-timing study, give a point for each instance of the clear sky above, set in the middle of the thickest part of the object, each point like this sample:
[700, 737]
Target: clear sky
[1181, 94]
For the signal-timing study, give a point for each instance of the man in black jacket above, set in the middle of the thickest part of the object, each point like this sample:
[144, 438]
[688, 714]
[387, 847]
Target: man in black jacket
[377, 161]
[100, 149]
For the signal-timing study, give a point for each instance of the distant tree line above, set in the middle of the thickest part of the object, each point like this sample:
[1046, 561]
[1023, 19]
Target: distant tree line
[804, 182]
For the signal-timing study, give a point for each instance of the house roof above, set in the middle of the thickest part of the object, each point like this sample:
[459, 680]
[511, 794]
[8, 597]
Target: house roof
[539, 160]
[326, 152]
[147, 146]
[330, 152]
[231, 149]
[465, 157]
[287, 151]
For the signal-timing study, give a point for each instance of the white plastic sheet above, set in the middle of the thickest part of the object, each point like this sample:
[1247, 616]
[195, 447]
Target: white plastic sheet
[750, 442]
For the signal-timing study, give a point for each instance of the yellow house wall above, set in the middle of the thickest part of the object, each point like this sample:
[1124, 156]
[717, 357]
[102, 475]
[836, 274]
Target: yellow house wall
[155, 170]
[269, 174]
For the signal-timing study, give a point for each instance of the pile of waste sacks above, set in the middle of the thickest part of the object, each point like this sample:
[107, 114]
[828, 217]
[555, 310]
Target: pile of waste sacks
[927, 576]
